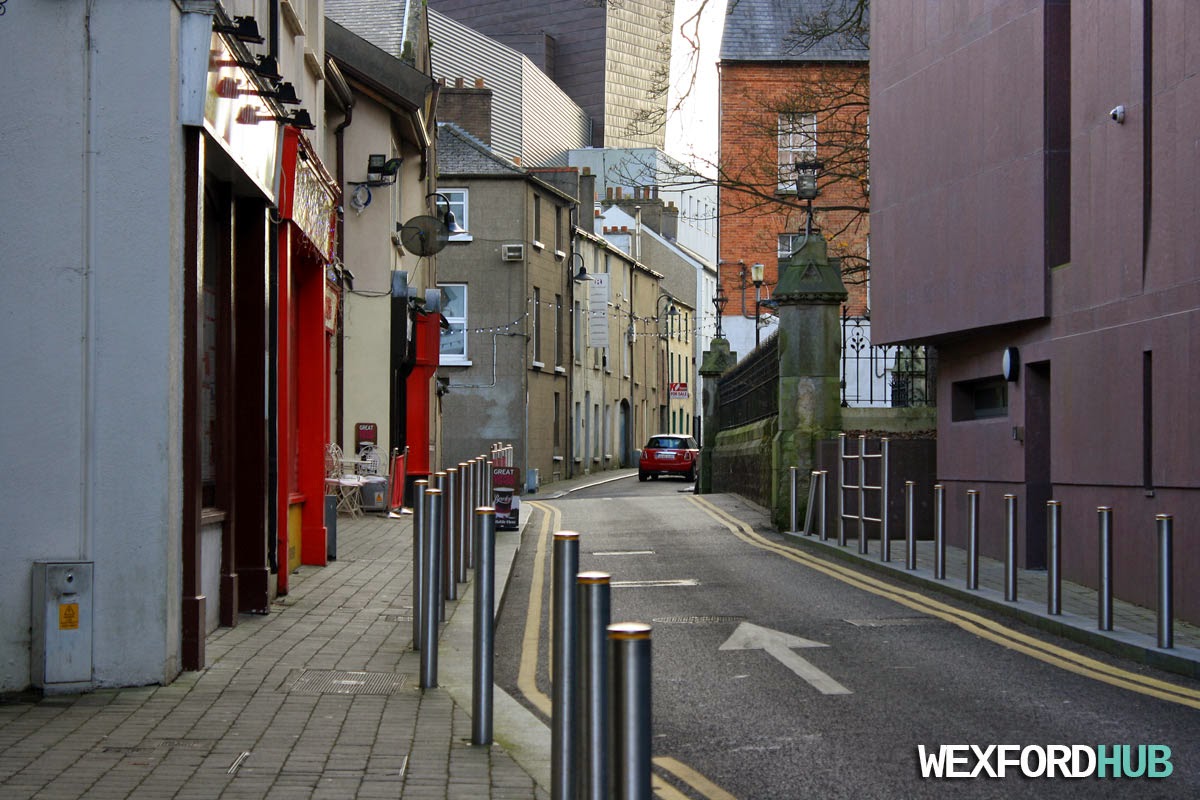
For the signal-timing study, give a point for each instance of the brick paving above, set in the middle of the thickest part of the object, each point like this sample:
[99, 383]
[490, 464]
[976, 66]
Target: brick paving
[259, 721]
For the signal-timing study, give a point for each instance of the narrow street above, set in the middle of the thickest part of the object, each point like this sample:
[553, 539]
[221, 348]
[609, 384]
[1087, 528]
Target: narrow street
[779, 674]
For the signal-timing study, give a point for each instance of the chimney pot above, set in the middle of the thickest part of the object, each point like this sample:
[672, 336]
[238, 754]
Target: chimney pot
[479, 83]
[458, 83]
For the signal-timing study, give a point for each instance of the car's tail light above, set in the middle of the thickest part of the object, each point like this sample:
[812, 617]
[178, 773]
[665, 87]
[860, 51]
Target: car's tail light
[688, 455]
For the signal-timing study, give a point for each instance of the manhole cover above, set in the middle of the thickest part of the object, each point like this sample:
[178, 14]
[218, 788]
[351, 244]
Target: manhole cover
[697, 620]
[332, 681]
[891, 622]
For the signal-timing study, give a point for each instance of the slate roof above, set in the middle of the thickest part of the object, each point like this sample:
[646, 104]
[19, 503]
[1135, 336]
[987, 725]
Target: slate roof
[460, 153]
[763, 30]
[380, 22]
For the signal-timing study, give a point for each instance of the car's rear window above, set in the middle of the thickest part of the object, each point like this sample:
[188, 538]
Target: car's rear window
[668, 442]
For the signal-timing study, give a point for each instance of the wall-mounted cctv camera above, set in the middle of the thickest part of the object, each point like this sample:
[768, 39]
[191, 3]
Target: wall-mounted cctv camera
[1118, 114]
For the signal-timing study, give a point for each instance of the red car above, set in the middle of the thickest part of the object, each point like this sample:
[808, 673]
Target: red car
[669, 454]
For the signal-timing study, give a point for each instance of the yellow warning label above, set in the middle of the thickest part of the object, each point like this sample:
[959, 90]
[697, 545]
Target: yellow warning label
[68, 616]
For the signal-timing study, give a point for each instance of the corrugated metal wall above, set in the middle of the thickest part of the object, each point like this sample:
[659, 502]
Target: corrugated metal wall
[532, 119]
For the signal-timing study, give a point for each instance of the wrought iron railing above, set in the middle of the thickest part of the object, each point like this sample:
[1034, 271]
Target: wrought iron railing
[886, 376]
[750, 390]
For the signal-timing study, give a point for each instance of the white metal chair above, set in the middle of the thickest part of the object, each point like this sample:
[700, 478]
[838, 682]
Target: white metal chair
[347, 487]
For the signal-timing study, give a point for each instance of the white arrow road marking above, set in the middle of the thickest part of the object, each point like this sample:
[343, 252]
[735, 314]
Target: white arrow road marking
[778, 644]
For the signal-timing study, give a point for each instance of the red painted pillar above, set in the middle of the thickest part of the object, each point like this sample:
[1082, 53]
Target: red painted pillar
[417, 421]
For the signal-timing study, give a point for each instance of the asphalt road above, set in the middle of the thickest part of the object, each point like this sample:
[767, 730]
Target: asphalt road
[741, 710]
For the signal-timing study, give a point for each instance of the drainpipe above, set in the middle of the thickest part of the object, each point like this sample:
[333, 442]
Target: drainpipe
[347, 100]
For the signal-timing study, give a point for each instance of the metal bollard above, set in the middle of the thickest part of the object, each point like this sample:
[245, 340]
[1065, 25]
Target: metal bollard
[1166, 589]
[473, 499]
[465, 523]
[841, 498]
[939, 531]
[972, 538]
[910, 525]
[565, 680]
[1053, 557]
[1010, 548]
[420, 512]
[792, 499]
[821, 500]
[489, 482]
[483, 662]
[885, 536]
[862, 495]
[439, 545]
[593, 747]
[630, 658]
[450, 537]
[429, 601]
[1105, 595]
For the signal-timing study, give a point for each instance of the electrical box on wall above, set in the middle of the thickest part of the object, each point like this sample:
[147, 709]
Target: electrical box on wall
[61, 652]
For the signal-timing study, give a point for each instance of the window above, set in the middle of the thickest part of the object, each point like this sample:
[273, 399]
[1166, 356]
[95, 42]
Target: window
[557, 425]
[577, 323]
[453, 349]
[787, 244]
[459, 207]
[986, 398]
[537, 327]
[797, 141]
[537, 222]
[558, 229]
[558, 331]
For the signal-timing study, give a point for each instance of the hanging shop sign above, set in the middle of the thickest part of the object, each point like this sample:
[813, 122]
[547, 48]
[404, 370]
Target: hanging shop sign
[307, 194]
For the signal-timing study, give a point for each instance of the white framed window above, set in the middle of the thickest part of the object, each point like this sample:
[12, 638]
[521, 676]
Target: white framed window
[453, 349]
[461, 207]
[797, 142]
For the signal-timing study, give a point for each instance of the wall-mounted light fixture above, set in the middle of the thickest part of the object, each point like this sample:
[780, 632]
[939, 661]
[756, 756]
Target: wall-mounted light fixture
[672, 309]
[381, 171]
[248, 115]
[231, 88]
[451, 223]
[244, 29]
[581, 275]
[1010, 364]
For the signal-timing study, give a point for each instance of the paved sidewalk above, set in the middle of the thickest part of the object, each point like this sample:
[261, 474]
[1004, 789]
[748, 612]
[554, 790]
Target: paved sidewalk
[318, 699]
[1135, 628]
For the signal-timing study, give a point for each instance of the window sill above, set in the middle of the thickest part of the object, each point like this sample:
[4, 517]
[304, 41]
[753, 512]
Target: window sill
[212, 516]
[560, 370]
[537, 365]
[557, 459]
[560, 255]
[462, 237]
[537, 245]
[458, 362]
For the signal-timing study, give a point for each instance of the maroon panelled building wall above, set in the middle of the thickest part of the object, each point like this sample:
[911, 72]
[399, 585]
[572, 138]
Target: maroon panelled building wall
[1009, 209]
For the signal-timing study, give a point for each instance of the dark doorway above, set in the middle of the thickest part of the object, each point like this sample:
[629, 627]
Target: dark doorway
[1038, 486]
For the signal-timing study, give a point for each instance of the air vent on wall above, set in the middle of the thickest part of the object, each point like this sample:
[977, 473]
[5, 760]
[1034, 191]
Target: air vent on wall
[513, 252]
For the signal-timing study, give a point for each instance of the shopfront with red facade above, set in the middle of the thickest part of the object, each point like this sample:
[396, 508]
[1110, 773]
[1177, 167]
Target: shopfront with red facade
[308, 199]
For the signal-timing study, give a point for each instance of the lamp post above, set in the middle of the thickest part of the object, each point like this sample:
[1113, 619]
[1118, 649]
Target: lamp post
[720, 301]
[581, 275]
[672, 311]
[756, 276]
[806, 187]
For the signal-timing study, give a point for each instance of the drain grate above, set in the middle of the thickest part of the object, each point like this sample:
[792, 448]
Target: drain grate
[892, 622]
[717, 620]
[334, 681]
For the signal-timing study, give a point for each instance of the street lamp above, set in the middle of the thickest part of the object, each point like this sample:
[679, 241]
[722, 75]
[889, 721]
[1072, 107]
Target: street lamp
[672, 311]
[581, 275]
[756, 276]
[720, 301]
[806, 186]
[448, 218]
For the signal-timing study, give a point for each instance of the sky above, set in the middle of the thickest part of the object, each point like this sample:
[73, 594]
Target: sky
[691, 134]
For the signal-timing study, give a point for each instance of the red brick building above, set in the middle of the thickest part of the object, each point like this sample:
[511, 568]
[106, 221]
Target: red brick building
[783, 100]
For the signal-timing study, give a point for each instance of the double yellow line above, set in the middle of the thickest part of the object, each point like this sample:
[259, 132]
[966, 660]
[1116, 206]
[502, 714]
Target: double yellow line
[527, 670]
[968, 621]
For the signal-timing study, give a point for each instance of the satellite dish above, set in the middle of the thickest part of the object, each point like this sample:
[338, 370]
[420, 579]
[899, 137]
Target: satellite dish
[424, 235]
